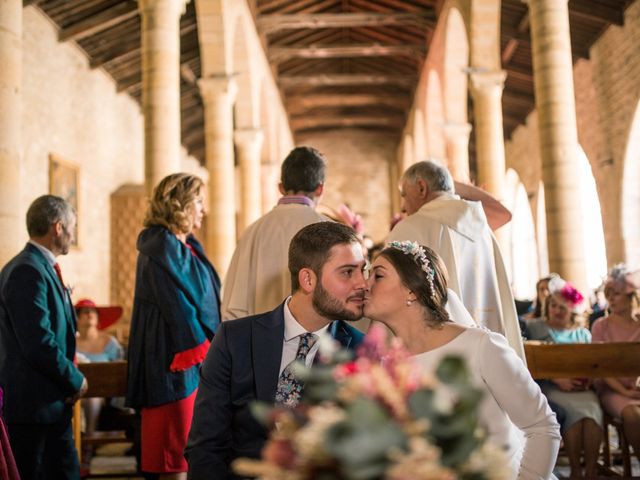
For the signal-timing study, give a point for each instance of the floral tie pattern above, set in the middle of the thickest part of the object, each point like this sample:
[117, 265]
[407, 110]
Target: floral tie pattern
[290, 388]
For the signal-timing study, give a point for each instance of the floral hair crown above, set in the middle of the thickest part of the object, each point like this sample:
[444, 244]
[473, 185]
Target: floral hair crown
[419, 256]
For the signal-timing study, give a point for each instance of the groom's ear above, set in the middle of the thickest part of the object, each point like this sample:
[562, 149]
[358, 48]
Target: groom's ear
[307, 280]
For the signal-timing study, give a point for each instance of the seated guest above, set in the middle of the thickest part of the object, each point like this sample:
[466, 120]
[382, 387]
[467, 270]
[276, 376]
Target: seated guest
[582, 426]
[251, 358]
[92, 342]
[94, 345]
[408, 293]
[620, 397]
[542, 292]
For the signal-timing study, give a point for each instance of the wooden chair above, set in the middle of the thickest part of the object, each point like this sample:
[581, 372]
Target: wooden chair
[589, 360]
[106, 380]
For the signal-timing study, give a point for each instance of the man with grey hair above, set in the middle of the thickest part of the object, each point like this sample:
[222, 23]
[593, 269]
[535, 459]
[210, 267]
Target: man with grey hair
[258, 279]
[37, 347]
[458, 230]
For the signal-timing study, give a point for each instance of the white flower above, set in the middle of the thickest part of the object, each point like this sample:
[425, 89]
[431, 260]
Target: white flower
[444, 399]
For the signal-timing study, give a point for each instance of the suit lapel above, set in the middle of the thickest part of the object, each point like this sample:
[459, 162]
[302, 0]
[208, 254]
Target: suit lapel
[65, 299]
[266, 344]
[341, 334]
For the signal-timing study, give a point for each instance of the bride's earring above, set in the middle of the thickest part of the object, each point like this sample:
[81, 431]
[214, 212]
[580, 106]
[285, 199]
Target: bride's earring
[409, 302]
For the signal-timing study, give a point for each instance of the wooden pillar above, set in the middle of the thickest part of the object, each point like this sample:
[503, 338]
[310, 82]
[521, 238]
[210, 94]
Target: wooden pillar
[558, 138]
[248, 146]
[457, 140]
[218, 97]
[160, 50]
[11, 222]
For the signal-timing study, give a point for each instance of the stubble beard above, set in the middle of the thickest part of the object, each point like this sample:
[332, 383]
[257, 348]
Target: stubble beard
[330, 307]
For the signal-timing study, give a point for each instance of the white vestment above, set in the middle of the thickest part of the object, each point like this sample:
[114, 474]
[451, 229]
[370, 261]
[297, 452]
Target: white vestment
[458, 231]
[258, 278]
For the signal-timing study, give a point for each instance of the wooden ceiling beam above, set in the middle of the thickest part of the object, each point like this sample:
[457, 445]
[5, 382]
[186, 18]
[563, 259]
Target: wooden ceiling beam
[281, 54]
[519, 73]
[122, 52]
[273, 23]
[344, 79]
[299, 104]
[598, 12]
[99, 22]
[308, 122]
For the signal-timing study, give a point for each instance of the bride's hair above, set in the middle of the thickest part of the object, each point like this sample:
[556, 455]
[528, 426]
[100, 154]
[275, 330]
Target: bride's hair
[431, 295]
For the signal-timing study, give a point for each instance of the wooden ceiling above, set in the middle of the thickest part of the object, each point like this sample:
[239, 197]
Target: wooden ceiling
[338, 63]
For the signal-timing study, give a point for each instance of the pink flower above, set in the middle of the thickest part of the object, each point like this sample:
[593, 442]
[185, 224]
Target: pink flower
[571, 294]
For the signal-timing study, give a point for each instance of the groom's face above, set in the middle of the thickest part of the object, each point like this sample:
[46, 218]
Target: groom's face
[340, 291]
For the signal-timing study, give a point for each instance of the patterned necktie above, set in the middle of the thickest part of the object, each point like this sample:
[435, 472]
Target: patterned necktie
[290, 388]
[56, 267]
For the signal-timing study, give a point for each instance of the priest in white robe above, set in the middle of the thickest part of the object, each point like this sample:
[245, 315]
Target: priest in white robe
[458, 231]
[258, 277]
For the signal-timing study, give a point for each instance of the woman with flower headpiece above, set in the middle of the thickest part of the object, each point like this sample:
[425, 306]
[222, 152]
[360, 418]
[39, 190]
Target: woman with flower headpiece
[408, 293]
[581, 426]
[620, 397]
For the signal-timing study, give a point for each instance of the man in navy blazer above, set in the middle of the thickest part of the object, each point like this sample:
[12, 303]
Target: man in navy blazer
[248, 355]
[37, 347]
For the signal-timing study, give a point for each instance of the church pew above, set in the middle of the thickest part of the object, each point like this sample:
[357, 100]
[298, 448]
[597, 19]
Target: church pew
[106, 380]
[588, 360]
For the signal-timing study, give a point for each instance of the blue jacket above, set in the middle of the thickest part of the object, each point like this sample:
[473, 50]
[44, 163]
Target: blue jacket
[37, 340]
[176, 310]
[241, 367]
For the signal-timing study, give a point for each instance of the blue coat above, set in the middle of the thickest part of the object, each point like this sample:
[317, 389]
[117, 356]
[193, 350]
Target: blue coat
[37, 340]
[176, 308]
[242, 366]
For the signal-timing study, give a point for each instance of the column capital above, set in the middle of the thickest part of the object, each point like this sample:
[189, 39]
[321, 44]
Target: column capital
[487, 82]
[248, 137]
[218, 86]
[454, 131]
[180, 6]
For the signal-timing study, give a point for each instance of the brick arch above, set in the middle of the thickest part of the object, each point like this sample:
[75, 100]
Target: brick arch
[455, 63]
[631, 193]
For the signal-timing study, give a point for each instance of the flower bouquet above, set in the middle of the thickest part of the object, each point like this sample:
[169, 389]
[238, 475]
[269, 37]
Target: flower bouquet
[377, 417]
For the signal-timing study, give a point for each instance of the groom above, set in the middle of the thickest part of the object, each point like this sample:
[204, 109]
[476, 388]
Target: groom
[248, 359]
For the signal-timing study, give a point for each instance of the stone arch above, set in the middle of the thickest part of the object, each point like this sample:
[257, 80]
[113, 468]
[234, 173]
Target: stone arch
[213, 37]
[419, 140]
[524, 268]
[630, 211]
[246, 111]
[541, 232]
[269, 154]
[434, 118]
[455, 64]
[407, 159]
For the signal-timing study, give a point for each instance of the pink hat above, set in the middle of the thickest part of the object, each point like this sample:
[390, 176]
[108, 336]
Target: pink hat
[107, 316]
[619, 275]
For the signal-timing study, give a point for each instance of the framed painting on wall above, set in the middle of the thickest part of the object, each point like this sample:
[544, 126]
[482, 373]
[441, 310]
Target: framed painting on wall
[64, 181]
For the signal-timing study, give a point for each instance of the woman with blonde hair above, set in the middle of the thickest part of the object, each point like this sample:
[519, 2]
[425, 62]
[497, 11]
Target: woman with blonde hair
[176, 311]
[408, 293]
[562, 322]
[620, 397]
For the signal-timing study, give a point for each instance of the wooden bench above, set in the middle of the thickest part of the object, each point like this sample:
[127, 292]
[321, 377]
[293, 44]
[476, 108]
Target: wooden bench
[106, 380]
[588, 360]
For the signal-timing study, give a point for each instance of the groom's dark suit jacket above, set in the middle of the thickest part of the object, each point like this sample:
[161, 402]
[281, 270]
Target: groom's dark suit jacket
[242, 366]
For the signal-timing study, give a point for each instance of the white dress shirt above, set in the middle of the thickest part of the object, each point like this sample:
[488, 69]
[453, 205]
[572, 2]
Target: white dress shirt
[291, 340]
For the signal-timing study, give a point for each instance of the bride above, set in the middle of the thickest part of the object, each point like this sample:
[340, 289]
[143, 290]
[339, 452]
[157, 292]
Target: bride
[408, 293]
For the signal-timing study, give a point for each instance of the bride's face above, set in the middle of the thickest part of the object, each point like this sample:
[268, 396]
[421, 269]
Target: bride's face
[387, 294]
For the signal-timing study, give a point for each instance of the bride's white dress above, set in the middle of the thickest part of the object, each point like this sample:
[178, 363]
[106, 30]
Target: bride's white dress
[513, 410]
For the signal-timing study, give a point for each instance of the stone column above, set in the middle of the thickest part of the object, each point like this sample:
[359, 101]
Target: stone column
[160, 47]
[218, 97]
[11, 221]
[457, 139]
[270, 174]
[558, 137]
[248, 143]
[486, 91]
